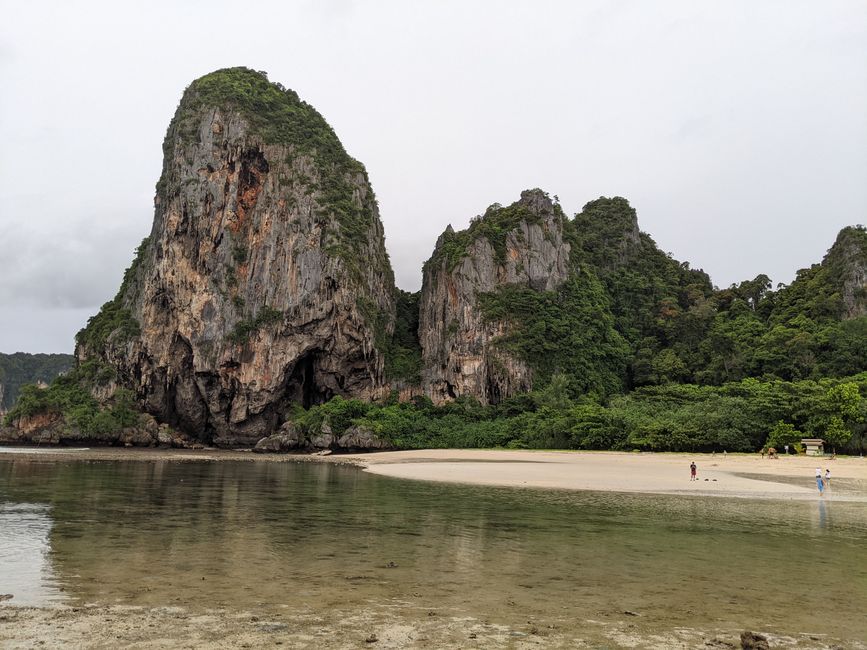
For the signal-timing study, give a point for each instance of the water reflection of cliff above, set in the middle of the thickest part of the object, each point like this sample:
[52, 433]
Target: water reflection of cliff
[256, 535]
[25, 570]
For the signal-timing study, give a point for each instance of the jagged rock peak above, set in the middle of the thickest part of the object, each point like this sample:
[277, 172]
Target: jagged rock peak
[537, 201]
[264, 283]
[523, 244]
[608, 228]
[847, 261]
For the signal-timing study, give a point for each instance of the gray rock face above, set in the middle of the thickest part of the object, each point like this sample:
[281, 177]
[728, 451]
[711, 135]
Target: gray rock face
[357, 437]
[324, 438]
[51, 428]
[265, 277]
[291, 438]
[848, 260]
[457, 342]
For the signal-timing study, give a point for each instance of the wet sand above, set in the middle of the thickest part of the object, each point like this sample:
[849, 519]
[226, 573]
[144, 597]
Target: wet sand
[112, 627]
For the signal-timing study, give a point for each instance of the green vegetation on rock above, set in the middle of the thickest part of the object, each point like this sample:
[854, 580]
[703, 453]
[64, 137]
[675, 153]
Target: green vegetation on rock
[20, 368]
[249, 325]
[739, 416]
[568, 331]
[70, 400]
[114, 319]
[401, 350]
[495, 225]
[279, 117]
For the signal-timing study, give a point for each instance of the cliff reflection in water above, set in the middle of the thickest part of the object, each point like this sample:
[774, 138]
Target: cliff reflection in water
[25, 570]
[258, 535]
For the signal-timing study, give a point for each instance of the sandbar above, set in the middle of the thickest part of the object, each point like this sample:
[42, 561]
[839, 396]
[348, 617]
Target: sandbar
[727, 475]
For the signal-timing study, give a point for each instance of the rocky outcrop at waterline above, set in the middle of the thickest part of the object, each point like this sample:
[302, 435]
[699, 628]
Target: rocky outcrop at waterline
[519, 245]
[264, 282]
[292, 438]
[54, 429]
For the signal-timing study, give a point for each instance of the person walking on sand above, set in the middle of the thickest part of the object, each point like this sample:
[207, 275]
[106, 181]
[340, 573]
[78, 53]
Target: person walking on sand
[820, 483]
[828, 478]
[692, 470]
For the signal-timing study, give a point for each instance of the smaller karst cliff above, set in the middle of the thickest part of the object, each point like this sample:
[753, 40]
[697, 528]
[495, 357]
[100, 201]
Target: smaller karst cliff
[264, 283]
[519, 245]
[847, 263]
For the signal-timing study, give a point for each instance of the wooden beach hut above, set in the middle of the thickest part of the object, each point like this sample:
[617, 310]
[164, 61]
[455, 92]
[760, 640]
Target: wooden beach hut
[813, 446]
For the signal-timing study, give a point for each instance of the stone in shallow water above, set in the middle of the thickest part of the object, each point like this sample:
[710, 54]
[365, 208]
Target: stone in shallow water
[753, 641]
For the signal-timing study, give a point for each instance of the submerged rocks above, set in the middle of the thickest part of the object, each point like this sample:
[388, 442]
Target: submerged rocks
[753, 641]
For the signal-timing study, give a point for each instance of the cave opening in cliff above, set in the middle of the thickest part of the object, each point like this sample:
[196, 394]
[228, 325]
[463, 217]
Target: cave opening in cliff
[301, 387]
[493, 394]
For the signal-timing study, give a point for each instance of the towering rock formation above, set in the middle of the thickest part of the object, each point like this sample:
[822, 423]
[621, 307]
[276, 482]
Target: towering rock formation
[847, 263]
[264, 282]
[522, 245]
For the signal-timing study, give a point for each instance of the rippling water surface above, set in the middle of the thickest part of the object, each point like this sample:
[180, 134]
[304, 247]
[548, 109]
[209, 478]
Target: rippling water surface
[262, 535]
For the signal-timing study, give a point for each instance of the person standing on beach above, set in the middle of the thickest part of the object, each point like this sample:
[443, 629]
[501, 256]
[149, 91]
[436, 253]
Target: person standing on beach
[827, 478]
[692, 470]
[820, 483]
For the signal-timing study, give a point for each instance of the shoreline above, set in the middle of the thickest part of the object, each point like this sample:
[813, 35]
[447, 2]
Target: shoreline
[384, 625]
[729, 475]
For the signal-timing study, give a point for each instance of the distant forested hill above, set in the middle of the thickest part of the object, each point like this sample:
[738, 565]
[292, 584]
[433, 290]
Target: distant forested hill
[21, 368]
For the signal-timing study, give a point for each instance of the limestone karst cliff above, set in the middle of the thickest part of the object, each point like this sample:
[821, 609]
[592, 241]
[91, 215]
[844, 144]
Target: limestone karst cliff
[264, 286]
[523, 245]
[264, 282]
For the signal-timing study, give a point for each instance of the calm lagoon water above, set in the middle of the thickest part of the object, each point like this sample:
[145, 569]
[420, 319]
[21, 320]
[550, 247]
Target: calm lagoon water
[254, 536]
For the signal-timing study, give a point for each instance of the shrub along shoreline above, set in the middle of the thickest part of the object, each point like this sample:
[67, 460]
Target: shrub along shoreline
[743, 416]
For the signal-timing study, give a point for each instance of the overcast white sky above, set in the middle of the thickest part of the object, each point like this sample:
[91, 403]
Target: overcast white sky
[737, 128]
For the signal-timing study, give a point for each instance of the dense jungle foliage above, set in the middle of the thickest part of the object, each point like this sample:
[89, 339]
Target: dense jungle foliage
[738, 416]
[70, 396]
[20, 368]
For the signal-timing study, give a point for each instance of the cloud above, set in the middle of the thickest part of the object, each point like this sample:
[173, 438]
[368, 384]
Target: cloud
[60, 264]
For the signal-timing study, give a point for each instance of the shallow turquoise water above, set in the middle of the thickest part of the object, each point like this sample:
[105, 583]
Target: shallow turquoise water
[260, 535]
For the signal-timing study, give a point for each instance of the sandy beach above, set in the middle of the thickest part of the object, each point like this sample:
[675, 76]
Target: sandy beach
[729, 475]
